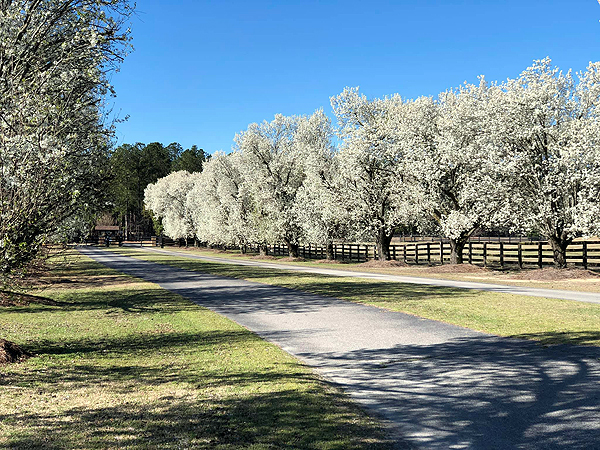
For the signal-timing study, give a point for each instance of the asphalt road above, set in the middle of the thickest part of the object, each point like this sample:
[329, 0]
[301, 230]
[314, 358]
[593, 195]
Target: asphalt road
[438, 386]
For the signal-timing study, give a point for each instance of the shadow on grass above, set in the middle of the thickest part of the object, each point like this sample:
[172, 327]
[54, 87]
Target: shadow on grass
[132, 300]
[286, 419]
[11, 299]
[143, 361]
[549, 338]
[142, 343]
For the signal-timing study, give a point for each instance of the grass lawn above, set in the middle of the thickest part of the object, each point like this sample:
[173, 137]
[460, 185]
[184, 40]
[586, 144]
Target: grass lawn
[549, 321]
[121, 363]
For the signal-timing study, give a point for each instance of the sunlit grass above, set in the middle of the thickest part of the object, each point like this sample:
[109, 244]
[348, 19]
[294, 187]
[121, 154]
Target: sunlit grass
[121, 363]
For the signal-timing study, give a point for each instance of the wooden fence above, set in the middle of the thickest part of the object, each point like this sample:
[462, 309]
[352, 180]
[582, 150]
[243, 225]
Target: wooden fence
[584, 254]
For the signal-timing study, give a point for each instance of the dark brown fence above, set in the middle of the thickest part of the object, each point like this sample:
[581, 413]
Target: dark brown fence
[584, 254]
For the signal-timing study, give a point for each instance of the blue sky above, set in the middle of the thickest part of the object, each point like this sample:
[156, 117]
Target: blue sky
[202, 71]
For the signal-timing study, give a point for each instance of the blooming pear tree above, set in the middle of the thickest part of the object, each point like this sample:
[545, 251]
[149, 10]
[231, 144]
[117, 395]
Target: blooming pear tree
[167, 198]
[319, 200]
[370, 165]
[271, 158]
[548, 127]
[55, 58]
[454, 171]
[220, 205]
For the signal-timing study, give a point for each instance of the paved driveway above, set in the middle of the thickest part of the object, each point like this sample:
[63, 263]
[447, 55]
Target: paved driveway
[437, 385]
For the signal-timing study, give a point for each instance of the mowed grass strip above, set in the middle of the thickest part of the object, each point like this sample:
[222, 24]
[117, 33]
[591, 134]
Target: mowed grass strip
[549, 321]
[121, 363]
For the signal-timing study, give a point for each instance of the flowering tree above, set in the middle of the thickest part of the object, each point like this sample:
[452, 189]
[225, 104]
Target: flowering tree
[370, 166]
[548, 128]
[55, 57]
[220, 205]
[454, 170]
[167, 198]
[273, 172]
[320, 205]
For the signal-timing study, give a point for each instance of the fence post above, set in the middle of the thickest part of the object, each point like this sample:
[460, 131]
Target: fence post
[584, 256]
[394, 251]
[417, 254]
[485, 254]
[520, 255]
[540, 254]
[501, 254]
[470, 252]
[404, 250]
[334, 251]
[441, 251]
[429, 253]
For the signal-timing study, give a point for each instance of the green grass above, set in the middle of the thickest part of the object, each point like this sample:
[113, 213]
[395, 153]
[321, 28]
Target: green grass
[121, 363]
[549, 321]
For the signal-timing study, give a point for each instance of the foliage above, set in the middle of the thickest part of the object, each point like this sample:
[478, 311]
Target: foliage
[370, 166]
[55, 60]
[167, 198]
[190, 160]
[133, 168]
[320, 205]
[455, 174]
[547, 127]
[220, 204]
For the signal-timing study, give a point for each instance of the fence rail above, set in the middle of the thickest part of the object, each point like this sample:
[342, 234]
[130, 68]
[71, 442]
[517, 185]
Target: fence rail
[526, 254]
[584, 254]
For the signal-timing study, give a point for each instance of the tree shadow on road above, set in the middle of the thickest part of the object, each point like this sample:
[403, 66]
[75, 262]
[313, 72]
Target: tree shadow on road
[483, 392]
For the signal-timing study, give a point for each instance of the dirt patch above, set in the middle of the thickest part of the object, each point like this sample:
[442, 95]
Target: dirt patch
[376, 264]
[290, 259]
[553, 274]
[11, 352]
[269, 257]
[326, 261]
[456, 268]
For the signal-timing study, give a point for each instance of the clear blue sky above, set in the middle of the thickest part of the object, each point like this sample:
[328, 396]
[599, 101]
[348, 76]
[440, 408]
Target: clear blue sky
[203, 70]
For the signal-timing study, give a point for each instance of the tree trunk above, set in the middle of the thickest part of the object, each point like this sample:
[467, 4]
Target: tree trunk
[456, 249]
[559, 246]
[243, 249]
[263, 250]
[330, 253]
[383, 245]
[292, 249]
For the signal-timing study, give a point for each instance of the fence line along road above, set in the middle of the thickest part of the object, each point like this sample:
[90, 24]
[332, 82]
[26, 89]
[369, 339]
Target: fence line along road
[584, 254]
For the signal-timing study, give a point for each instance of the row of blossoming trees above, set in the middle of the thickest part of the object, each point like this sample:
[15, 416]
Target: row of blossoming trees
[522, 154]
